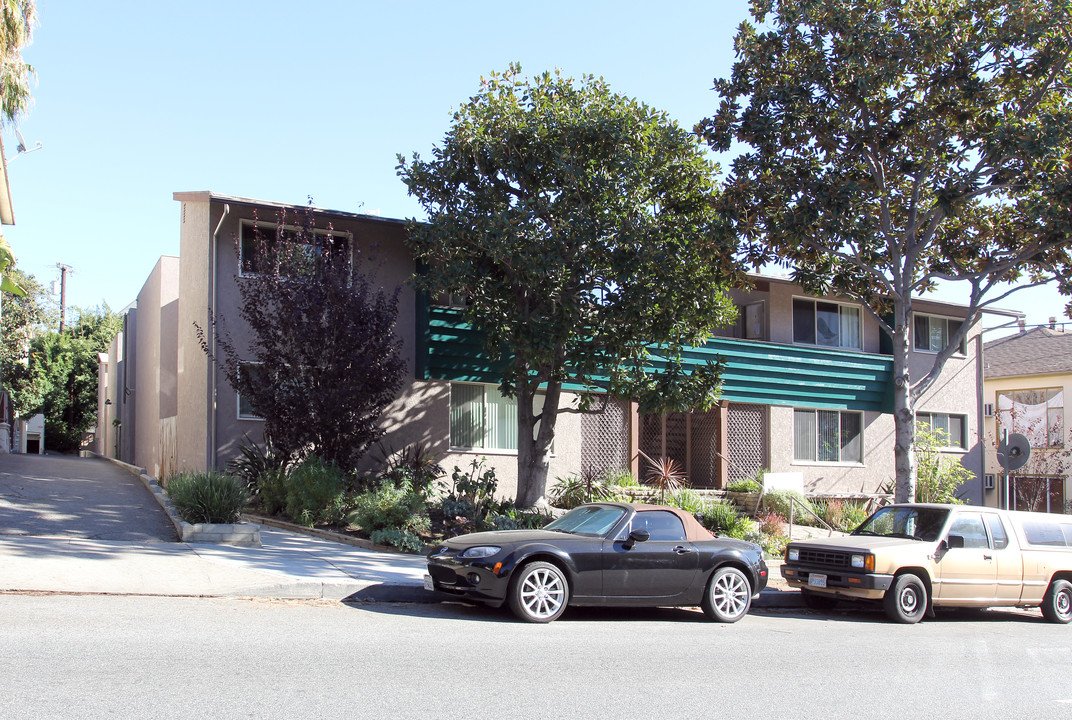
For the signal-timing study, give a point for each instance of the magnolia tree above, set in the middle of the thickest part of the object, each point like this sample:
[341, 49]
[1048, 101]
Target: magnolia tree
[580, 227]
[892, 144]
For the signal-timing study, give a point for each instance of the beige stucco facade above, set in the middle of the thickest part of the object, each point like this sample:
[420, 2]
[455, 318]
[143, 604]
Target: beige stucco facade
[178, 412]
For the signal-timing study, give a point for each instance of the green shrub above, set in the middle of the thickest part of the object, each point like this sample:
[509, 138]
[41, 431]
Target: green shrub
[620, 478]
[938, 476]
[688, 500]
[207, 497]
[414, 464]
[316, 492]
[390, 507]
[254, 462]
[744, 486]
[574, 490]
[395, 537]
[778, 501]
[271, 492]
[719, 516]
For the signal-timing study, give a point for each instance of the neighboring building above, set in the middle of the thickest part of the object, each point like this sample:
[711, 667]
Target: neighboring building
[807, 386]
[1027, 379]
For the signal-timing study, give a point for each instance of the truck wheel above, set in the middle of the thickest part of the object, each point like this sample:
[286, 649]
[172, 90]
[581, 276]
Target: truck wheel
[906, 600]
[818, 601]
[1057, 602]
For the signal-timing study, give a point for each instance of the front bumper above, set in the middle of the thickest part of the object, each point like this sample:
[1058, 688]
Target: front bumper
[474, 580]
[838, 582]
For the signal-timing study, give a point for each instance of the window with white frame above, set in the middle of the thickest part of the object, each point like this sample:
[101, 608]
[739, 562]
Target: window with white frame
[834, 436]
[482, 418]
[1038, 415]
[931, 333]
[251, 233]
[256, 373]
[827, 324]
[952, 428]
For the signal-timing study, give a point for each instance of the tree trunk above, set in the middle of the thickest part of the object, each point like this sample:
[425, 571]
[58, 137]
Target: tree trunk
[534, 449]
[904, 414]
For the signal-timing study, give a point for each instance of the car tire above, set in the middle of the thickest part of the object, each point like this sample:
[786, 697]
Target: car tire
[539, 592]
[906, 600]
[1057, 602]
[818, 601]
[728, 595]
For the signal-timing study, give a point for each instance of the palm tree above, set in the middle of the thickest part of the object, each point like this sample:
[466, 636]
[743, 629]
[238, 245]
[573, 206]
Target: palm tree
[17, 21]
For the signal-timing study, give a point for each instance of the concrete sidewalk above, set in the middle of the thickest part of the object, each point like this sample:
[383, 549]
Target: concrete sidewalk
[288, 565]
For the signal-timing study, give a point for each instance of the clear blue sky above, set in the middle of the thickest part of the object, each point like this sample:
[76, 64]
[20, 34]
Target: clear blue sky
[281, 101]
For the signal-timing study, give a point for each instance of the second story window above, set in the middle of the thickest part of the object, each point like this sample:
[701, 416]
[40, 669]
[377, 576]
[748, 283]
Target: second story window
[255, 235]
[826, 324]
[932, 333]
[1038, 415]
[951, 428]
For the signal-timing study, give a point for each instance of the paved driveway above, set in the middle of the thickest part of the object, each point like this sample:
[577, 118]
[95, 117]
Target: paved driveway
[66, 496]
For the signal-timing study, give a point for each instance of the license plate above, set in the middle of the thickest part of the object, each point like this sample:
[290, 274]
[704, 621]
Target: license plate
[428, 583]
[817, 580]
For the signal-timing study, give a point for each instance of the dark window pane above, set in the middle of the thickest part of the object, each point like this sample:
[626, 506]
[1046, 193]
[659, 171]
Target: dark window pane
[851, 445]
[921, 333]
[829, 440]
[827, 325]
[804, 322]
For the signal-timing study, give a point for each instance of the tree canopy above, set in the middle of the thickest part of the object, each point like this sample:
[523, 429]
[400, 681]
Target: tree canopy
[323, 359]
[890, 145]
[580, 228]
[23, 318]
[59, 378]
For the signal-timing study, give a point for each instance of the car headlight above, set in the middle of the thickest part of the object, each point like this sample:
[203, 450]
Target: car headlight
[792, 555]
[481, 551]
[863, 562]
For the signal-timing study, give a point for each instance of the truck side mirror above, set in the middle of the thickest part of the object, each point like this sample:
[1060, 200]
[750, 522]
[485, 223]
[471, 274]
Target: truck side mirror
[955, 541]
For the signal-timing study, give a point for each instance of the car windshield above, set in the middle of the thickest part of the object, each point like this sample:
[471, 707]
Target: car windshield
[588, 520]
[905, 522]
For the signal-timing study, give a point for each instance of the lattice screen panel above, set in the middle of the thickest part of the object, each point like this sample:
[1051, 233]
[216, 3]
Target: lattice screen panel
[605, 439]
[703, 470]
[747, 433]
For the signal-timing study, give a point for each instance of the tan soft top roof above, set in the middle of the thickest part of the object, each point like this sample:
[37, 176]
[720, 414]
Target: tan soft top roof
[693, 529]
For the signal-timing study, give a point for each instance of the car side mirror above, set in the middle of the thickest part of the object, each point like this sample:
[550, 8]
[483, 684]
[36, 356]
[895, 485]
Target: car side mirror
[638, 535]
[955, 541]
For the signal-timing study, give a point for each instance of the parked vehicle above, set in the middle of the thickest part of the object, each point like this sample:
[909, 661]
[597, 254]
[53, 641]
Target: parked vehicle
[602, 554]
[914, 558]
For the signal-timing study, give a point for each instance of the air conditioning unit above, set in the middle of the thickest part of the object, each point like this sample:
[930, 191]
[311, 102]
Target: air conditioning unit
[988, 410]
[988, 482]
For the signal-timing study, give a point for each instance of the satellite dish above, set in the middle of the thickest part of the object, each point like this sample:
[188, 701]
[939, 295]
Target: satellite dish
[1013, 452]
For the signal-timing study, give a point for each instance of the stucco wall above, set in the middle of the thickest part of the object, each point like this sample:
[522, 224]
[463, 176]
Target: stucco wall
[156, 349]
[196, 224]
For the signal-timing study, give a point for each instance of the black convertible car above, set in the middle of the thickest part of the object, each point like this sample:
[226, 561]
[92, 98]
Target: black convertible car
[603, 553]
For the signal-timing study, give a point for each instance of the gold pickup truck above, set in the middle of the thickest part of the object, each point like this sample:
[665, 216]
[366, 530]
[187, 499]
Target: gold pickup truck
[916, 557]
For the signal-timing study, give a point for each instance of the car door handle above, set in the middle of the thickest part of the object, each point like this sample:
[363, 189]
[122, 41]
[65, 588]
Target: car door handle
[987, 557]
[681, 549]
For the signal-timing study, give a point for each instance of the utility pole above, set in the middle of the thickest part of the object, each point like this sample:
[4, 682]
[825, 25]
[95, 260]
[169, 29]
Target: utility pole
[64, 269]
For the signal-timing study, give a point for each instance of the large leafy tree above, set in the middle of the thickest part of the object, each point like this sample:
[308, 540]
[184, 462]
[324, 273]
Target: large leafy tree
[579, 226]
[323, 359]
[23, 318]
[17, 21]
[893, 144]
[59, 378]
